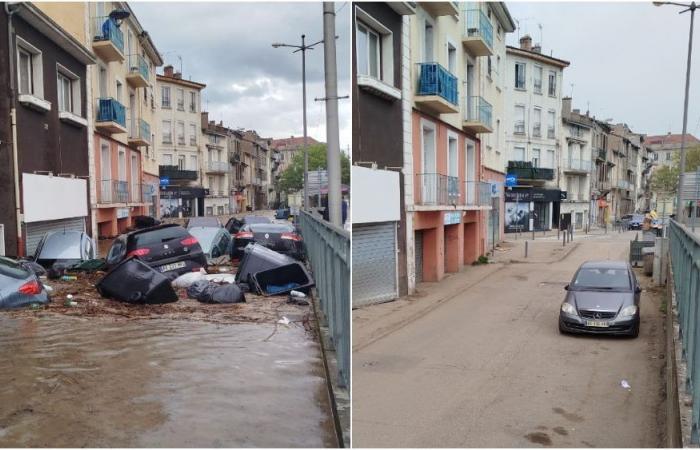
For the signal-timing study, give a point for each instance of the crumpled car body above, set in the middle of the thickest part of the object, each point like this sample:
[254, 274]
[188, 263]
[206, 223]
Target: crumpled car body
[19, 286]
[65, 248]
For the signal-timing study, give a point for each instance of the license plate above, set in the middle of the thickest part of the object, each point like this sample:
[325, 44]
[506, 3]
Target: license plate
[597, 324]
[173, 266]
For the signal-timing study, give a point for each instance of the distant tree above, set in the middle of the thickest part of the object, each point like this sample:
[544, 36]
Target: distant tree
[664, 180]
[692, 159]
[292, 179]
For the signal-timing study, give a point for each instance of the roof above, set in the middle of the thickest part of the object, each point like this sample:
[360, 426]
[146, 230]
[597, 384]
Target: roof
[538, 56]
[671, 139]
[291, 142]
[188, 83]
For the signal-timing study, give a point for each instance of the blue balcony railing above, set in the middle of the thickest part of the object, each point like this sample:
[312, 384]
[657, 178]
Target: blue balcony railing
[478, 25]
[105, 29]
[436, 80]
[111, 110]
[137, 64]
[479, 110]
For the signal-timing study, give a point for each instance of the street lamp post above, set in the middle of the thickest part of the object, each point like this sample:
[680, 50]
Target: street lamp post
[688, 7]
[303, 48]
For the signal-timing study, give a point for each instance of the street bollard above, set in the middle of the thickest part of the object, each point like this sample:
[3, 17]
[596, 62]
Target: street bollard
[526, 249]
[533, 233]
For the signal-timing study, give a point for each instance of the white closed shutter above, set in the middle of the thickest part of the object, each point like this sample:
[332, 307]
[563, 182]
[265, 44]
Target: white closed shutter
[373, 263]
[34, 231]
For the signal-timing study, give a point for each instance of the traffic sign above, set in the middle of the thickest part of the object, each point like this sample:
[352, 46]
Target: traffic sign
[511, 180]
[164, 181]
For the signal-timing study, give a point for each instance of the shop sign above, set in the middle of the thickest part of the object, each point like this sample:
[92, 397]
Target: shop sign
[452, 218]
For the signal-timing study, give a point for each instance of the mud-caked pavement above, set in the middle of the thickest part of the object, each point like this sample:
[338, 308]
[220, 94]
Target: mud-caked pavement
[484, 365]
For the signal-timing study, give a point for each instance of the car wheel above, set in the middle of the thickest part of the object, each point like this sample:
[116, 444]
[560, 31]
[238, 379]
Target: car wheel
[561, 329]
[635, 331]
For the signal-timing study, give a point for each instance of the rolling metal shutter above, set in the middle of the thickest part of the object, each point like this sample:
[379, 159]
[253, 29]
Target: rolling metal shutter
[34, 231]
[373, 263]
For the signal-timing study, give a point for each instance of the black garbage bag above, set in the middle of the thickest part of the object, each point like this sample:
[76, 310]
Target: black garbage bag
[208, 292]
[132, 281]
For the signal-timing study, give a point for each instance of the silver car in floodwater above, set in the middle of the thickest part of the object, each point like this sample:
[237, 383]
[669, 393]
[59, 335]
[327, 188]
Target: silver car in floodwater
[603, 297]
[64, 247]
[19, 286]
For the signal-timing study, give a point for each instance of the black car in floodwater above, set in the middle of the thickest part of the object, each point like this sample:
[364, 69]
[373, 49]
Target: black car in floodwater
[280, 237]
[234, 224]
[169, 249]
[603, 297]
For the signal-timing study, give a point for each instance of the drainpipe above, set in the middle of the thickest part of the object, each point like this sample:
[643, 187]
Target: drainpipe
[13, 124]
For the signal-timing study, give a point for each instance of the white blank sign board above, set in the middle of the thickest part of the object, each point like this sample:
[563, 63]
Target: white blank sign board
[52, 198]
[375, 195]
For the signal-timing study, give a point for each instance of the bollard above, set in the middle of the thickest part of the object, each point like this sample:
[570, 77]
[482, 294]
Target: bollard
[533, 233]
[526, 249]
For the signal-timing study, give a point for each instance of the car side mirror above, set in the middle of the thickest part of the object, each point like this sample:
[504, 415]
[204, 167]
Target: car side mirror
[637, 290]
[566, 288]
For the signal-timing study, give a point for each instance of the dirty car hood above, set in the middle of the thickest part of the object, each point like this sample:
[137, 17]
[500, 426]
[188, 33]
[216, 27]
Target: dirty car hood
[601, 300]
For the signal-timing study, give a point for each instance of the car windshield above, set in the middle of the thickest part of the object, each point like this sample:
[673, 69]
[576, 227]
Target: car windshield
[205, 236]
[62, 245]
[638, 218]
[12, 269]
[602, 278]
[159, 235]
[203, 222]
[270, 228]
[256, 219]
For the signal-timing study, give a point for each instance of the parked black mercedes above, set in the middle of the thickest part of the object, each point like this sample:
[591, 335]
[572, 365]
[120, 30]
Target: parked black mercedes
[603, 297]
[169, 248]
[280, 237]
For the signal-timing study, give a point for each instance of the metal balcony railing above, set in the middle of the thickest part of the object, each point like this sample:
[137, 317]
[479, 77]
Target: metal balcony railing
[478, 24]
[479, 110]
[437, 189]
[537, 130]
[476, 193]
[113, 191]
[550, 132]
[623, 184]
[519, 127]
[217, 166]
[175, 173]
[110, 110]
[137, 64]
[436, 80]
[578, 164]
[601, 154]
[140, 129]
[149, 192]
[524, 170]
[105, 29]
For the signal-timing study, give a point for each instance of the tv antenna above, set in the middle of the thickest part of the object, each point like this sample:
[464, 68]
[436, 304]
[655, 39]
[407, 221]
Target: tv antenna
[517, 23]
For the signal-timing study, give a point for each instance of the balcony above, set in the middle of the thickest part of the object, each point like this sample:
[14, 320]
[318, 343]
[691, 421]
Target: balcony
[139, 133]
[437, 89]
[476, 193]
[601, 154]
[524, 170]
[478, 34]
[478, 115]
[440, 8]
[214, 194]
[537, 130]
[113, 191]
[550, 132]
[519, 127]
[217, 167]
[111, 116]
[623, 184]
[149, 193]
[577, 166]
[137, 76]
[175, 173]
[435, 189]
[107, 39]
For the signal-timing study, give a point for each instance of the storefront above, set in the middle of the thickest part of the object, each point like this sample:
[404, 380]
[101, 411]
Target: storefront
[531, 209]
[182, 201]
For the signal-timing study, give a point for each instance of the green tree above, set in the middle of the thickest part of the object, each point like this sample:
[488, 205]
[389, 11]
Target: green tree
[665, 180]
[692, 159]
[292, 179]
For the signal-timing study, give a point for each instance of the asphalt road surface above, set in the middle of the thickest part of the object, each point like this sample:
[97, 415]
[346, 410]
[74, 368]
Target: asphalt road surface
[488, 368]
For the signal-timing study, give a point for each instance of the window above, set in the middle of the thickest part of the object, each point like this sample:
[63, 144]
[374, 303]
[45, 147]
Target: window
[498, 70]
[550, 124]
[537, 122]
[452, 59]
[181, 99]
[120, 91]
[519, 154]
[181, 132]
[29, 69]
[552, 83]
[26, 72]
[193, 134]
[181, 162]
[668, 156]
[537, 81]
[65, 93]
[536, 157]
[193, 101]
[167, 160]
[519, 75]
[428, 42]
[368, 51]
[550, 159]
[193, 162]
[488, 67]
[167, 132]
[519, 119]
[165, 96]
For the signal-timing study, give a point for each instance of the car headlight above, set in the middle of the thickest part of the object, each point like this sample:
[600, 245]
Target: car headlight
[568, 308]
[628, 311]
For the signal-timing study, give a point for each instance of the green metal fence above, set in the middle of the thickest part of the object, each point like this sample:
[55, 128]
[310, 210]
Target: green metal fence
[328, 248]
[685, 262]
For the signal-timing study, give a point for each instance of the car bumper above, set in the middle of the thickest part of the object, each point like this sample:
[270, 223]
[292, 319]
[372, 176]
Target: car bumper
[575, 324]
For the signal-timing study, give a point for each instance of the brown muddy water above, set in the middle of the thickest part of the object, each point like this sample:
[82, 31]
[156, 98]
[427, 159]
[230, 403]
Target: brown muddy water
[76, 382]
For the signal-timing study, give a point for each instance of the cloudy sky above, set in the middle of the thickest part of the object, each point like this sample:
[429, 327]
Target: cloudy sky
[628, 60]
[251, 85]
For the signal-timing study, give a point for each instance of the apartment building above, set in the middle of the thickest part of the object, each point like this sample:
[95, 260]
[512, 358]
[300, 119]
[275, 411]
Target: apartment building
[446, 214]
[625, 147]
[575, 167]
[254, 148]
[601, 178]
[532, 133]
[288, 147]
[238, 187]
[44, 137]
[216, 168]
[667, 147]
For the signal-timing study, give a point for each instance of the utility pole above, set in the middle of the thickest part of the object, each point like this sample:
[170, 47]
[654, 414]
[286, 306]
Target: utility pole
[332, 132]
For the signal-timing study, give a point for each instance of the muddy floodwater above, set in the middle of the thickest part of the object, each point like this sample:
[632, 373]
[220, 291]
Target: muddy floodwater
[77, 382]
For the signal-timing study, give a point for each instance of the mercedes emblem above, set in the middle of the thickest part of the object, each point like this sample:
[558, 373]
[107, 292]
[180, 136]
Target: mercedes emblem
[267, 236]
[597, 315]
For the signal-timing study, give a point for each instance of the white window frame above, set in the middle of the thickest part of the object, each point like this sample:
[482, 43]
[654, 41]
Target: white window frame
[550, 84]
[383, 85]
[37, 69]
[433, 127]
[515, 74]
[181, 132]
[167, 132]
[163, 90]
[427, 21]
[538, 69]
[193, 101]
[167, 155]
[450, 43]
[193, 135]
[515, 148]
[367, 51]
[452, 135]
[180, 99]
[75, 107]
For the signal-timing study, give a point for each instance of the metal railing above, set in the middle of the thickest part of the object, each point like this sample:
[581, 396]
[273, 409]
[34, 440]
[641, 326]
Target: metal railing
[550, 132]
[105, 29]
[437, 189]
[524, 169]
[537, 130]
[113, 191]
[436, 80]
[685, 264]
[217, 166]
[478, 110]
[577, 164]
[175, 173]
[140, 129]
[476, 193]
[328, 248]
[601, 154]
[149, 191]
[519, 127]
[137, 64]
[110, 110]
[623, 184]
[478, 25]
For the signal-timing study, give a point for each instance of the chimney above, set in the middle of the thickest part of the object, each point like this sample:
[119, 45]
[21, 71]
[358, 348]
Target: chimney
[566, 106]
[537, 48]
[168, 71]
[526, 43]
[205, 119]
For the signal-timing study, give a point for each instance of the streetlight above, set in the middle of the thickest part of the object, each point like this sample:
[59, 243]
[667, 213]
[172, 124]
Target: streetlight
[303, 48]
[688, 7]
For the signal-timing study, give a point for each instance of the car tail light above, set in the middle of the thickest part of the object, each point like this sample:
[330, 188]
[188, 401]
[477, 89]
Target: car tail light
[291, 237]
[139, 252]
[244, 235]
[189, 241]
[30, 288]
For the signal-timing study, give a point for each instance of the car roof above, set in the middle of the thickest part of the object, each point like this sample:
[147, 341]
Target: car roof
[604, 264]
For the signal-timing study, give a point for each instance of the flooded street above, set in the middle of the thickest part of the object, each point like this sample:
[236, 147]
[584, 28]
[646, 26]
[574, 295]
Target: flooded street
[76, 382]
